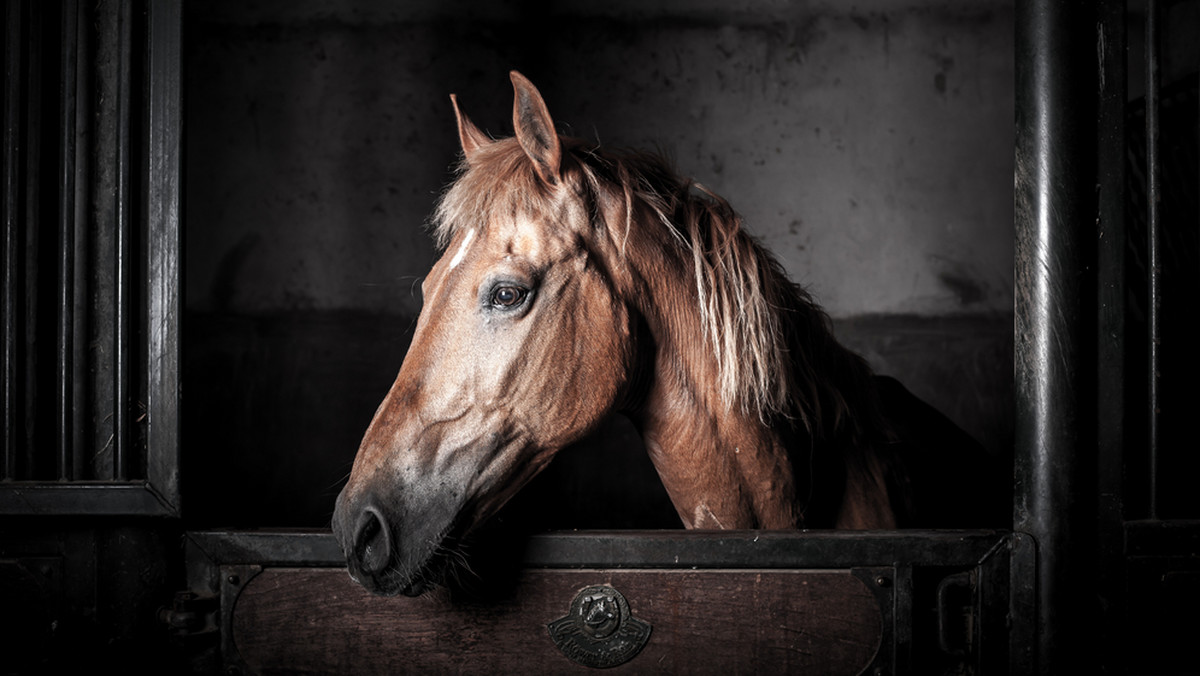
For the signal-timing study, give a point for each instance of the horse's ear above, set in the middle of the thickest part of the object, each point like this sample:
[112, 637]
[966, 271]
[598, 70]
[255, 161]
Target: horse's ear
[535, 129]
[468, 134]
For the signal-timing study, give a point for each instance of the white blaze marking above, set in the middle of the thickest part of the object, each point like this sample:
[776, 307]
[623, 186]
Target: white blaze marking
[462, 250]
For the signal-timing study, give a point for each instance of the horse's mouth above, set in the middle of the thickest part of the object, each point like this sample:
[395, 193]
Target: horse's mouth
[396, 579]
[392, 581]
[429, 575]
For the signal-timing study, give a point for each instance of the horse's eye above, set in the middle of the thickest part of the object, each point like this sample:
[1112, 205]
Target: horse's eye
[508, 296]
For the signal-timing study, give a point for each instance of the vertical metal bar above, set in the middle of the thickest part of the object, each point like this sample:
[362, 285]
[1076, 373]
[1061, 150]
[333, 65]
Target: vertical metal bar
[123, 257]
[80, 362]
[1153, 213]
[1055, 183]
[163, 175]
[1111, 151]
[65, 354]
[11, 216]
[101, 248]
[31, 218]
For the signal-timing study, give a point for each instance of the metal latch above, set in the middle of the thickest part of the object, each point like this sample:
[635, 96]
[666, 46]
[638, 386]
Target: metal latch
[190, 614]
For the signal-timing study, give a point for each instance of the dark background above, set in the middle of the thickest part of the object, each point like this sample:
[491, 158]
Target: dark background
[870, 148]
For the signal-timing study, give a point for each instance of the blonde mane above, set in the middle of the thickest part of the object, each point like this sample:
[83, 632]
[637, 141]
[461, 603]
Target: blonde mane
[773, 346]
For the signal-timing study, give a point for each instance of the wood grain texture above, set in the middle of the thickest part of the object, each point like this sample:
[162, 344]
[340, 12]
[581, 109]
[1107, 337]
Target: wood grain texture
[316, 621]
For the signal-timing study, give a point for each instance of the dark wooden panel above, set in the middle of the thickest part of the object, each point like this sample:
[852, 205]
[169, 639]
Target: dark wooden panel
[315, 620]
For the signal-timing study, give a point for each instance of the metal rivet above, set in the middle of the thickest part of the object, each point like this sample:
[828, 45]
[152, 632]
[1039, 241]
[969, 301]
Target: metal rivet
[883, 581]
[233, 579]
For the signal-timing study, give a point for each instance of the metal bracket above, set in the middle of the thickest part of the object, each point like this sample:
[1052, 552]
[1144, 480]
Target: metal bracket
[233, 581]
[882, 582]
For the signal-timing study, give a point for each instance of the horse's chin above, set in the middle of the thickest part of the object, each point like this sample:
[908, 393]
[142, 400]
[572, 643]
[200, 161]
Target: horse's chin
[428, 576]
[417, 588]
[407, 571]
[391, 581]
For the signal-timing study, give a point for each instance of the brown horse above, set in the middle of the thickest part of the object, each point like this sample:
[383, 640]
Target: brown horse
[577, 282]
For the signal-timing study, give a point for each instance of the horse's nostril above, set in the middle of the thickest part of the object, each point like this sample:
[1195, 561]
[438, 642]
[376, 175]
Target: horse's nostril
[373, 544]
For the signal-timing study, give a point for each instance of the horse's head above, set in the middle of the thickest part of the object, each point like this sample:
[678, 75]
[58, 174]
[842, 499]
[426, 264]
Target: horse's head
[521, 348]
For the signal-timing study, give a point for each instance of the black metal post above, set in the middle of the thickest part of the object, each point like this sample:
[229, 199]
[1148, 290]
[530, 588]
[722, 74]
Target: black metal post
[162, 209]
[1111, 330]
[1055, 184]
[110, 239]
[1154, 259]
[122, 306]
[11, 217]
[65, 355]
[32, 243]
[84, 17]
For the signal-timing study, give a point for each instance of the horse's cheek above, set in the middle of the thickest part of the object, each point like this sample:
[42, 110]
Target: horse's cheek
[606, 356]
[559, 397]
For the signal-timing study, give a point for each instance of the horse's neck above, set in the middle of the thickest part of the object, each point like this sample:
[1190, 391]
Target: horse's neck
[722, 466]
[722, 469]
[728, 470]
[725, 468]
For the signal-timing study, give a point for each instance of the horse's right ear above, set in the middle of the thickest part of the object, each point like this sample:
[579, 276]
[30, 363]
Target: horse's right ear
[468, 134]
[535, 128]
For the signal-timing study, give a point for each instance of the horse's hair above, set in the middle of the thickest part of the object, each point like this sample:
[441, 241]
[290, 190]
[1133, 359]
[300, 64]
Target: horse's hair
[773, 346]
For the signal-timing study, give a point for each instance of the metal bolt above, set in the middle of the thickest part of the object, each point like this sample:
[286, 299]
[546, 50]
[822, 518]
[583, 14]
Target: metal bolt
[883, 581]
[233, 579]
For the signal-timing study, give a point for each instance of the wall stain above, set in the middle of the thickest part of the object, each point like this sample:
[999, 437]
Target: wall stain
[225, 281]
[967, 290]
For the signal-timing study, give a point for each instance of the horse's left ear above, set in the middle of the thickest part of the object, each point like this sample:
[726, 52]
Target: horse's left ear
[468, 134]
[535, 129]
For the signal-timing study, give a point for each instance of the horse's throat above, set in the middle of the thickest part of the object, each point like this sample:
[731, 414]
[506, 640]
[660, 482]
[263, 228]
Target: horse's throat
[723, 475]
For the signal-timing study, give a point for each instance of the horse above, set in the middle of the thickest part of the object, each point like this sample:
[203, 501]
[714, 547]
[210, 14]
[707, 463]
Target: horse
[576, 282]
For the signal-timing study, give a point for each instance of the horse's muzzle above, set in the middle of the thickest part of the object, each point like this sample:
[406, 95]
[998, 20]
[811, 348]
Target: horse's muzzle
[367, 538]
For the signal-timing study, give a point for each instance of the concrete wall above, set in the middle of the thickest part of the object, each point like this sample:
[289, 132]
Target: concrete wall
[869, 146]
[870, 149]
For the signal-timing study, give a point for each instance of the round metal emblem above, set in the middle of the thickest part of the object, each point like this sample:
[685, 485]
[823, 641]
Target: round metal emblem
[599, 630]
